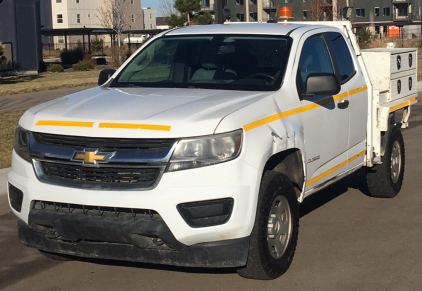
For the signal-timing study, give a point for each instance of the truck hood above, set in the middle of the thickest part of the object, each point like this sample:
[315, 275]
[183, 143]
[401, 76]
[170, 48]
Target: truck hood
[137, 112]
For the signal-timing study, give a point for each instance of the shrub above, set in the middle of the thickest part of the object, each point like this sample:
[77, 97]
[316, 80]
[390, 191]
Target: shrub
[55, 68]
[364, 35]
[117, 55]
[72, 56]
[83, 66]
[97, 45]
[88, 58]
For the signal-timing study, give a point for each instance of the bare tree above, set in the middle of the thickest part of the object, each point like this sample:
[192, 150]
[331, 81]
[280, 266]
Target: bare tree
[166, 8]
[112, 16]
[318, 9]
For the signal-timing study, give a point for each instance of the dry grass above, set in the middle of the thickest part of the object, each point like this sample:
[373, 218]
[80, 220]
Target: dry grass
[8, 122]
[47, 81]
[407, 43]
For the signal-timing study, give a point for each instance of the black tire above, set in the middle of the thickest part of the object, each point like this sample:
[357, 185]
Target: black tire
[264, 262]
[385, 180]
[54, 256]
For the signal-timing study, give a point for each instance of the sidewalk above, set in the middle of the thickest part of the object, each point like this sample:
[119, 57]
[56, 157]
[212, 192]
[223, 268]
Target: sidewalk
[28, 100]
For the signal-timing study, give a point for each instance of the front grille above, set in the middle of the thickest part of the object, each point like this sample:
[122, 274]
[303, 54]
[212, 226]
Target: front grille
[104, 144]
[139, 177]
[97, 211]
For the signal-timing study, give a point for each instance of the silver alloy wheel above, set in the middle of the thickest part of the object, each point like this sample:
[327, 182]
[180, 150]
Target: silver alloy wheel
[279, 226]
[395, 164]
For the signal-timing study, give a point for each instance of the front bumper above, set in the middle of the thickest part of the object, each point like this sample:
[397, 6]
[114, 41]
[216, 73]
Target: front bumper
[235, 180]
[228, 253]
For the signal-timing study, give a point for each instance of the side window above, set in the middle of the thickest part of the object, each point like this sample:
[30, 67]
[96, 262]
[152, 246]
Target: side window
[341, 55]
[313, 59]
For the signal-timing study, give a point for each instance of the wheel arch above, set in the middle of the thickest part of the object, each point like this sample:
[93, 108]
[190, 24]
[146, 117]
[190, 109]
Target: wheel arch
[289, 163]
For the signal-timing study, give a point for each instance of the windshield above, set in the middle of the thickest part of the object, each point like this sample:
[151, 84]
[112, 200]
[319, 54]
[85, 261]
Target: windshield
[229, 62]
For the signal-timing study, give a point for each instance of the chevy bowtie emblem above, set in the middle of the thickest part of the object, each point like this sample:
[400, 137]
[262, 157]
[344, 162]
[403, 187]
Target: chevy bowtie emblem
[92, 156]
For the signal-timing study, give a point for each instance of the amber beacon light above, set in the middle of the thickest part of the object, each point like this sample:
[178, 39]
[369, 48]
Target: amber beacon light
[285, 12]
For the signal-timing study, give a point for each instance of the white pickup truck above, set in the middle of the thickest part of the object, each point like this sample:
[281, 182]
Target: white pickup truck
[199, 149]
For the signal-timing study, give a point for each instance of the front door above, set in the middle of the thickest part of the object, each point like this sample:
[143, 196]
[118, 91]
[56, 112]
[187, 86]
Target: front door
[325, 119]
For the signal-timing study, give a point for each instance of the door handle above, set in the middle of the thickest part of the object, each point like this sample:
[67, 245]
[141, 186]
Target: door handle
[342, 104]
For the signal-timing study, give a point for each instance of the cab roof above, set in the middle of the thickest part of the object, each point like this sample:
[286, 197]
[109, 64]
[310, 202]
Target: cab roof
[282, 28]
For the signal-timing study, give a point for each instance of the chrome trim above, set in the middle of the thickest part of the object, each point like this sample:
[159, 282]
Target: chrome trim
[42, 177]
[136, 159]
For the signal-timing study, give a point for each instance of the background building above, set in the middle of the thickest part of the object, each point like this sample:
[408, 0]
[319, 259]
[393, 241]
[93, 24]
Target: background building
[67, 14]
[149, 16]
[378, 15]
[21, 36]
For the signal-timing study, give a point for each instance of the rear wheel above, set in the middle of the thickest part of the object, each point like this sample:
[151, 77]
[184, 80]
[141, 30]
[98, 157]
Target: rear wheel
[274, 236]
[385, 180]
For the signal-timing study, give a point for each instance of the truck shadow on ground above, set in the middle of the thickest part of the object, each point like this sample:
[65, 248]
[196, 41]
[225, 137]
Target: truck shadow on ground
[356, 180]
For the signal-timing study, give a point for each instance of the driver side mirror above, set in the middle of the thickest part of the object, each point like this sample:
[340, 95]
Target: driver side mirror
[321, 84]
[105, 75]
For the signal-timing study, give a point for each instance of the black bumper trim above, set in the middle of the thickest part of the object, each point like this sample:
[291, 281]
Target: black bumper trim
[229, 253]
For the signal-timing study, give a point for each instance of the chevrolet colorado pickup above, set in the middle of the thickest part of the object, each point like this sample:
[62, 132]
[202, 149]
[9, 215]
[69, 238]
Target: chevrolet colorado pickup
[199, 149]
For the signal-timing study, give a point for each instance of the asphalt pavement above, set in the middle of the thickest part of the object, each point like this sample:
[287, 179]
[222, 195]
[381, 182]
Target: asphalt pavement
[348, 241]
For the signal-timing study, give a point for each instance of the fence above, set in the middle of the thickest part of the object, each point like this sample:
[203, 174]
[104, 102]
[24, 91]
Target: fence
[54, 49]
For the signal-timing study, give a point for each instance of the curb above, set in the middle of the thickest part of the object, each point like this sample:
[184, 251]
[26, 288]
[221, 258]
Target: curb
[3, 180]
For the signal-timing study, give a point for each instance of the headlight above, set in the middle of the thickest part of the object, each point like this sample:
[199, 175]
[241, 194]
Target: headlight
[22, 143]
[206, 151]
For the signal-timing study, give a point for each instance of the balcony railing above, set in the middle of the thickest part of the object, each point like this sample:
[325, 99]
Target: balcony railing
[401, 17]
[402, 1]
[210, 7]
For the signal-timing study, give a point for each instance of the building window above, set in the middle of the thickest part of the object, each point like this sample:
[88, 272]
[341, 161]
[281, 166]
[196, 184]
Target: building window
[252, 2]
[205, 3]
[305, 14]
[253, 16]
[59, 18]
[150, 16]
[377, 11]
[89, 15]
[150, 25]
[239, 2]
[60, 39]
[58, 1]
[77, 1]
[240, 17]
[360, 12]
[132, 18]
[386, 11]
[78, 18]
[288, 1]
[402, 10]
[131, 2]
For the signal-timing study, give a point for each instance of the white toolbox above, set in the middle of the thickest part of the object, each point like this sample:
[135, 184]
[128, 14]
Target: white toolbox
[392, 71]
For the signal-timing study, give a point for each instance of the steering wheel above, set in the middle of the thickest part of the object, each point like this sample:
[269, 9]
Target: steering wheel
[261, 75]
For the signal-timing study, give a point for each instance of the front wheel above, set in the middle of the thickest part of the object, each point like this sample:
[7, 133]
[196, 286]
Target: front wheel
[385, 180]
[275, 233]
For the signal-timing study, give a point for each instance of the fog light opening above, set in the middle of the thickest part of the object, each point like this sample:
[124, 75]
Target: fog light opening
[206, 213]
[15, 197]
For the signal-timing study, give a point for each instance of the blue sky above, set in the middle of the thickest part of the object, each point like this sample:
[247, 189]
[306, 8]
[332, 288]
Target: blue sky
[150, 3]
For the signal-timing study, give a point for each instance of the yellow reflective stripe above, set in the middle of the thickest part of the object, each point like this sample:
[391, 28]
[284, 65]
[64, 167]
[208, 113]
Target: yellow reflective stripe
[64, 123]
[308, 107]
[135, 126]
[358, 90]
[404, 104]
[325, 174]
